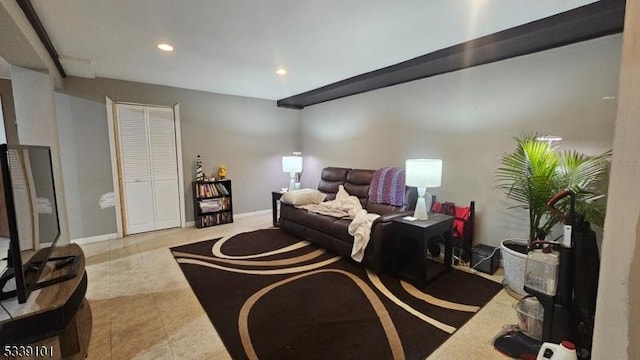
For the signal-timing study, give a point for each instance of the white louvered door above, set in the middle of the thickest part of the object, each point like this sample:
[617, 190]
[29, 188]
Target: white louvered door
[135, 169]
[164, 167]
[148, 168]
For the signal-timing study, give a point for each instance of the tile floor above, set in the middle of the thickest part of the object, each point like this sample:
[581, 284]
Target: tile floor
[143, 308]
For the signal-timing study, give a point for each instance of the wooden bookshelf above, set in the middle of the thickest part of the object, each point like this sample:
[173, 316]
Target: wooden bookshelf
[212, 203]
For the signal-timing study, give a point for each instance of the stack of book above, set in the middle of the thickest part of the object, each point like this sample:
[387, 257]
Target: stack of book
[211, 190]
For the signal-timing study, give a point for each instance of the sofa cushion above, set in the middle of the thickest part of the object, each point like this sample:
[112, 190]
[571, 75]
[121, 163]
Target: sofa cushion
[340, 229]
[292, 213]
[381, 209]
[303, 197]
[410, 198]
[319, 222]
[357, 184]
[330, 179]
[332, 233]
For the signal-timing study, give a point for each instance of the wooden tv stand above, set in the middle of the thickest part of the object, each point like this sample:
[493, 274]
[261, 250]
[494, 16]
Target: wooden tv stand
[55, 322]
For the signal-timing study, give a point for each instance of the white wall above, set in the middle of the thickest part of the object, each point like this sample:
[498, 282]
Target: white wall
[37, 125]
[468, 119]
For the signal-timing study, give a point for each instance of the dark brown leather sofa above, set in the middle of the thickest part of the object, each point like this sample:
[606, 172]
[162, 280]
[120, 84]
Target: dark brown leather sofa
[332, 233]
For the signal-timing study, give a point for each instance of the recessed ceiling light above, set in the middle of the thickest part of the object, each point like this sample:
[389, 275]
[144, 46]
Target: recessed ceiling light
[281, 71]
[608, 98]
[165, 47]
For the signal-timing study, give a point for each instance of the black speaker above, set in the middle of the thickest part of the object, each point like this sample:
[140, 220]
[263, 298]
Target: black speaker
[483, 258]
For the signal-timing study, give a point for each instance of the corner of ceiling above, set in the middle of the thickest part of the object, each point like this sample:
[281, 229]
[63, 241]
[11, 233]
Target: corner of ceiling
[20, 45]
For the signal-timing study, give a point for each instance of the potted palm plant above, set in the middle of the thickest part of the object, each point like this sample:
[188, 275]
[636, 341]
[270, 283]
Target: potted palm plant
[531, 175]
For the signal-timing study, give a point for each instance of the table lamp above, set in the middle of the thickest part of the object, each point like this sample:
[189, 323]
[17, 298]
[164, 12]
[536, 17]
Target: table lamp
[423, 173]
[292, 165]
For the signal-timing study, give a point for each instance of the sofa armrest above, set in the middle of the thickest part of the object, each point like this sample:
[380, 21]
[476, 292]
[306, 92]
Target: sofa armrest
[388, 217]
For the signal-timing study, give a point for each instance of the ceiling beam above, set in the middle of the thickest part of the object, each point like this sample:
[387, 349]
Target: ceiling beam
[35, 22]
[587, 22]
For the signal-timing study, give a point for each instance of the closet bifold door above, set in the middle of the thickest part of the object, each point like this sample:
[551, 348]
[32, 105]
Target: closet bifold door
[164, 167]
[135, 170]
[148, 168]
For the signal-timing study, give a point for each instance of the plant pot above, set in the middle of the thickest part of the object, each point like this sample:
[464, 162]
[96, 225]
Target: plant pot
[514, 266]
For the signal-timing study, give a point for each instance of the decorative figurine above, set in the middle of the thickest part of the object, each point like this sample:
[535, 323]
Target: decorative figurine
[222, 172]
[199, 173]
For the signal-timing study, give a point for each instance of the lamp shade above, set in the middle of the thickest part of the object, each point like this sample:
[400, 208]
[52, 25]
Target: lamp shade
[423, 172]
[292, 164]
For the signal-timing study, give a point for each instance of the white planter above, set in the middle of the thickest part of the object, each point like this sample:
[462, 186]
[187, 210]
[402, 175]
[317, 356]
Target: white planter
[514, 267]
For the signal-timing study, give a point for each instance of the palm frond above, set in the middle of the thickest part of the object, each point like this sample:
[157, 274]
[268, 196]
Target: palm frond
[535, 172]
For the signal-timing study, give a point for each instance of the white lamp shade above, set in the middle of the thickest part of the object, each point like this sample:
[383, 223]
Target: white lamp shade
[423, 172]
[292, 164]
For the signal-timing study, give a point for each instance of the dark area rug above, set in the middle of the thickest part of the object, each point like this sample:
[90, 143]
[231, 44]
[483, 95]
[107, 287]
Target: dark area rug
[272, 296]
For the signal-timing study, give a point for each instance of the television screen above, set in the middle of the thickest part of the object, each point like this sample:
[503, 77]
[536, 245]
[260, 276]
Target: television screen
[29, 226]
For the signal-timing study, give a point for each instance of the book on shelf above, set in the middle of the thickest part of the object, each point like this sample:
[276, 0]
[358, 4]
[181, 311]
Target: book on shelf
[212, 190]
[222, 189]
[214, 219]
[209, 190]
[212, 203]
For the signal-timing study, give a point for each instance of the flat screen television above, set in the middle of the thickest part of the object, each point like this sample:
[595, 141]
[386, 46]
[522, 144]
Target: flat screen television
[29, 223]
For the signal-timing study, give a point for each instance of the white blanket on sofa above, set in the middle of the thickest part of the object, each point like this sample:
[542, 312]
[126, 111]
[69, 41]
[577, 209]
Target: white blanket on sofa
[346, 206]
[360, 229]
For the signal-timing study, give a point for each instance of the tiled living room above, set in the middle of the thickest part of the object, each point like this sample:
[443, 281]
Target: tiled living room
[165, 131]
[129, 300]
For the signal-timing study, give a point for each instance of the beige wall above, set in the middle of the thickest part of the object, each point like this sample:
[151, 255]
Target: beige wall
[617, 329]
[247, 135]
[84, 150]
[468, 119]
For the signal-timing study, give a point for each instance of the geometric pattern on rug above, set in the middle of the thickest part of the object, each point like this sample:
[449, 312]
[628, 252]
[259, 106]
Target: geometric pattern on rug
[271, 295]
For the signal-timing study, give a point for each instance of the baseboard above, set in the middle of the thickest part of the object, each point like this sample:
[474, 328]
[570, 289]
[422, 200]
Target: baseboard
[238, 216]
[96, 238]
[253, 213]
